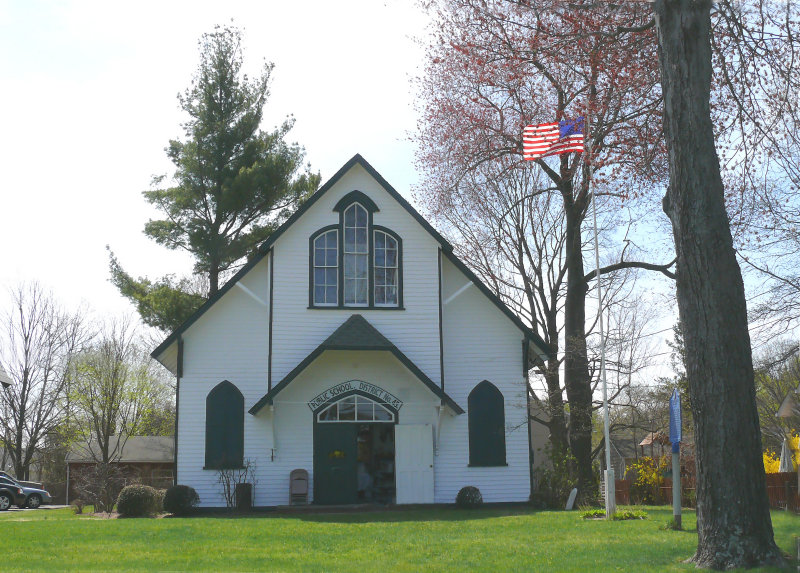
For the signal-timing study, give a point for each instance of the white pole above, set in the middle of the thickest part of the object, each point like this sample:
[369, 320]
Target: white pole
[676, 487]
[611, 502]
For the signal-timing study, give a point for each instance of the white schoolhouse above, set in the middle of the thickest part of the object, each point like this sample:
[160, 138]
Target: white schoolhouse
[357, 347]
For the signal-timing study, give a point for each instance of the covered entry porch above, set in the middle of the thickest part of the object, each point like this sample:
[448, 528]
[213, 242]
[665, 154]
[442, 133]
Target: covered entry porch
[370, 421]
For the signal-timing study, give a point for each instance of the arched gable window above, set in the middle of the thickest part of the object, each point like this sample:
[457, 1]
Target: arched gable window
[356, 263]
[487, 426]
[224, 427]
[356, 256]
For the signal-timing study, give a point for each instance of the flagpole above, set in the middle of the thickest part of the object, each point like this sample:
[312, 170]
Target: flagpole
[610, 501]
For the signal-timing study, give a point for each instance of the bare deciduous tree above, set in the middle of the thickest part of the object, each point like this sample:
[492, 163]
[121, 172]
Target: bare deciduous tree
[40, 340]
[114, 387]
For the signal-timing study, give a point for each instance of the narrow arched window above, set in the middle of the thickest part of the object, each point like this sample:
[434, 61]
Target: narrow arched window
[487, 426]
[387, 269]
[356, 256]
[326, 268]
[224, 427]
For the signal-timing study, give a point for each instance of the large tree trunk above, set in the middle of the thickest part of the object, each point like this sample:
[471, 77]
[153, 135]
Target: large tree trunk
[733, 522]
[576, 364]
[555, 409]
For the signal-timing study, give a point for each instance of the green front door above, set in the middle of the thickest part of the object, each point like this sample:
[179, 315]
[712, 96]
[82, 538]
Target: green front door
[335, 463]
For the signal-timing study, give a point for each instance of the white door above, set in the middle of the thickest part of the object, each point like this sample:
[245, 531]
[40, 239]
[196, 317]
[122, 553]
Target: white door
[413, 458]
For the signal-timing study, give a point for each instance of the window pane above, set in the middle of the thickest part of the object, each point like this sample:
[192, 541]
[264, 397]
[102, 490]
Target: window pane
[349, 291]
[329, 413]
[391, 242]
[319, 294]
[380, 276]
[347, 408]
[361, 216]
[319, 242]
[380, 257]
[382, 413]
[361, 266]
[391, 258]
[349, 240]
[361, 241]
[391, 295]
[330, 294]
[362, 287]
[380, 240]
[380, 295]
[391, 277]
[330, 276]
[331, 242]
[364, 409]
[350, 216]
[330, 257]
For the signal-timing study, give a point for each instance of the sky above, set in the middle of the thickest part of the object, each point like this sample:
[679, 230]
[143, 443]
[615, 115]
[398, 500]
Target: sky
[88, 93]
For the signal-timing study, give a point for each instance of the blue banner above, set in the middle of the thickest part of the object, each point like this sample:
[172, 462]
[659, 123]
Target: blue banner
[675, 419]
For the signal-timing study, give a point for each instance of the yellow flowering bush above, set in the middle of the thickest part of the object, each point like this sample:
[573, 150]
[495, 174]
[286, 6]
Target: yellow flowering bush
[771, 462]
[649, 479]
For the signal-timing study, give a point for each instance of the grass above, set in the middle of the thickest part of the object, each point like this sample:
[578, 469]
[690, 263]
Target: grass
[413, 540]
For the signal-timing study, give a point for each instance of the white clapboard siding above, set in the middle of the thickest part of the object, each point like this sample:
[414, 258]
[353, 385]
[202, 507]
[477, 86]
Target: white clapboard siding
[231, 342]
[228, 342]
[480, 343]
[298, 329]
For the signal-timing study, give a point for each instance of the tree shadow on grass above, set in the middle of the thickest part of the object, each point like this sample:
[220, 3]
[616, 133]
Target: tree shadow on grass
[375, 514]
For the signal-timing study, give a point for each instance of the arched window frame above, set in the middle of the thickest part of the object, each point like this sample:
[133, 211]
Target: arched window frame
[224, 446]
[486, 421]
[342, 206]
[313, 266]
[359, 399]
[355, 255]
[399, 267]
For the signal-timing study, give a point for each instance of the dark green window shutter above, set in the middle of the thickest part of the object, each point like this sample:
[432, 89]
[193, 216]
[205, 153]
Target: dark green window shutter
[224, 427]
[487, 426]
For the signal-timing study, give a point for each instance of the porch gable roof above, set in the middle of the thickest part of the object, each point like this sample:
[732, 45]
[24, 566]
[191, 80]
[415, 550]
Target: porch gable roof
[356, 333]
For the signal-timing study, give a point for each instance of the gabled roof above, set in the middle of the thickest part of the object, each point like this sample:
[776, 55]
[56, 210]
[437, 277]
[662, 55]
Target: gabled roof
[265, 247]
[356, 333]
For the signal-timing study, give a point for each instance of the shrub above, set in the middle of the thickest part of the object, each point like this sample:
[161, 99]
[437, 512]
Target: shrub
[556, 479]
[77, 506]
[180, 499]
[138, 500]
[621, 515]
[646, 488]
[469, 497]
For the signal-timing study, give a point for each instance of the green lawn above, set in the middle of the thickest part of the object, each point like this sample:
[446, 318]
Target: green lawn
[446, 539]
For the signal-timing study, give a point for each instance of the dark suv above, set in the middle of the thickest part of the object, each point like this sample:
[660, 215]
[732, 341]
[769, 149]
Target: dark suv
[10, 495]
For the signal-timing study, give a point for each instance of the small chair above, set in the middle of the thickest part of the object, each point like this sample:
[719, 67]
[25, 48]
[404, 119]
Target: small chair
[298, 487]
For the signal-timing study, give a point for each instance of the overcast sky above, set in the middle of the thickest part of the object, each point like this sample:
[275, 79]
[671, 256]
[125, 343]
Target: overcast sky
[88, 99]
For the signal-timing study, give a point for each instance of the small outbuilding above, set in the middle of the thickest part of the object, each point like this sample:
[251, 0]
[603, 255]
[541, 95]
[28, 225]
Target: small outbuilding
[149, 460]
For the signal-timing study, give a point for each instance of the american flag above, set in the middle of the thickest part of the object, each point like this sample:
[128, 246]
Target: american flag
[555, 138]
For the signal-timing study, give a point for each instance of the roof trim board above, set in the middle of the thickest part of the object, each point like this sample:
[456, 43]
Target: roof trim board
[356, 333]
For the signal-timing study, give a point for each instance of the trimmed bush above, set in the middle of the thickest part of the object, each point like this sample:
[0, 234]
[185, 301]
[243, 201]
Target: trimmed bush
[180, 499]
[138, 501]
[469, 497]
